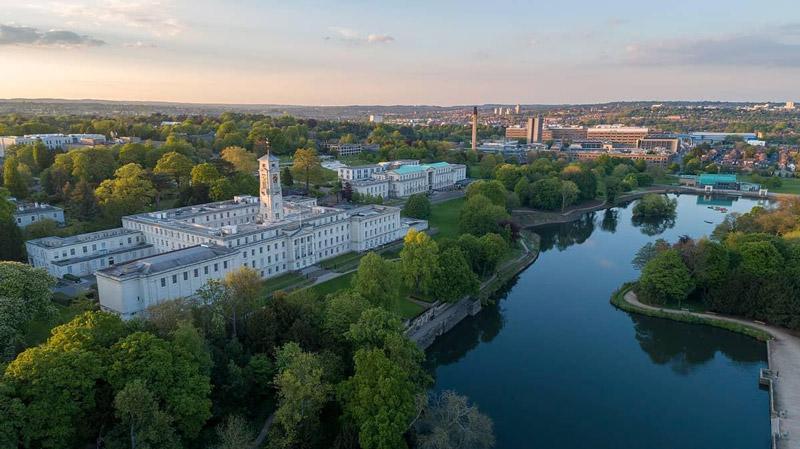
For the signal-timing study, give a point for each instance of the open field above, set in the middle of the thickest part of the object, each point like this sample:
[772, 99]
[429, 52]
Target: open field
[444, 217]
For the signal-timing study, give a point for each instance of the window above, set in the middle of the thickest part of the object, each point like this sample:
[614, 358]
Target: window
[216, 267]
[205, 269]
[185, 275]
[174, 278]
[196, 272]
[224, 264]
[163, 282]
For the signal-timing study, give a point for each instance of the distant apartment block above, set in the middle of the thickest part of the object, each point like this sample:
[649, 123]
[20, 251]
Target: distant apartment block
[627, 135]
[716, 137]
[669, 145]
[564, 133]
[531, 132]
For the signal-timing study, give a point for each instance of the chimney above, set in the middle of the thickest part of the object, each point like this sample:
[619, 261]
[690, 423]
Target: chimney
[475, 129]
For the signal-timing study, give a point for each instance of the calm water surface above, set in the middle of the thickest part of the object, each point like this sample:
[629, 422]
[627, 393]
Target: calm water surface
[556, 366]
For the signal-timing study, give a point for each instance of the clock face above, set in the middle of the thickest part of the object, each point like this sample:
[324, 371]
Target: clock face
[275, 178]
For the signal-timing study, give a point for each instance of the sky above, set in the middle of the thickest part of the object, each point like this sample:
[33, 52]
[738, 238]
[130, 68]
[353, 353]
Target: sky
[435, 52]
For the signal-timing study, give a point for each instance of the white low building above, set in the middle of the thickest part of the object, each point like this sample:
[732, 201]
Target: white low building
[82, 255]
[51, 141]
[28, 213]
[399, 179]
[270, 234]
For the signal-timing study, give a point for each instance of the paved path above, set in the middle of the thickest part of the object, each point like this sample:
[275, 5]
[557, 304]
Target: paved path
[784, 359]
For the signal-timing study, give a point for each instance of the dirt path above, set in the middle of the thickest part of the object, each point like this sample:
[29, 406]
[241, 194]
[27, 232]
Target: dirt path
[784, 362]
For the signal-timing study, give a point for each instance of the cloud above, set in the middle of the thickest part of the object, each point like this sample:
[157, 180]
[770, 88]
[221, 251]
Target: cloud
[152, 15]
[139, 44]
[350, 36]
[22, 35]
[752, 49]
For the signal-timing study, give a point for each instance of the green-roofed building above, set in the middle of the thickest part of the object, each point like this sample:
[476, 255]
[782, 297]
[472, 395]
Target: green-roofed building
[719, 181]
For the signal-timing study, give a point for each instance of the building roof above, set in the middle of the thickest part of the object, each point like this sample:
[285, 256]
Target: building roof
[57, 242]
[714, 179]
[268, 157]
[166, 261]
[408, 169]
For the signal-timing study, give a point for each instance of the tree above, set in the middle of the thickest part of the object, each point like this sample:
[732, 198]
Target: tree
[376, 281]
[417, 206]
[449, 421]
[13, 180]
[665, 279]
[145, 424]
[760, 259]
[24, 296]
[655, 205]
[172, 375]
[612, 189]
[302, 393]
[205, 174]
[584, 179]
[647, 252]
[379, 400]
[42, 156]
[341, 310]
[569, 193]
[234, 433]
[81, 203]
[454, 278]
[492, 190]
[241, 159]
[133, 153]
[418, 261]
[12, 245]
[176, 166]
[306, 165]
[243, 288]
[42, 228]
[523, 191]
[546, 194]
[493, 248]
[286, 177]
[480, 216]
[128, 193]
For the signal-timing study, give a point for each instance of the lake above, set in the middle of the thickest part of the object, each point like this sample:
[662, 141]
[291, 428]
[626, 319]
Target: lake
[555, 365]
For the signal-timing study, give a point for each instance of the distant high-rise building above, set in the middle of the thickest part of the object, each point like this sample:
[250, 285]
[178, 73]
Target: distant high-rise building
[475, 129]
[376, 118]
[516, 109]
[789, 106]
[508, 111]
[536, 126]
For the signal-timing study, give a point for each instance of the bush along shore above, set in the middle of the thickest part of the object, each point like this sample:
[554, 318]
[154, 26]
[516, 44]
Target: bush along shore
[619, 301]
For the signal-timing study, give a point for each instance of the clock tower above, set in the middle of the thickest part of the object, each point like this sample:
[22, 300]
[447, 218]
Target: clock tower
[270, 188]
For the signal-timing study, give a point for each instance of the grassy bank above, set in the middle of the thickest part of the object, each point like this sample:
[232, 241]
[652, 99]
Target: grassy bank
[444, 217]
[618, 300]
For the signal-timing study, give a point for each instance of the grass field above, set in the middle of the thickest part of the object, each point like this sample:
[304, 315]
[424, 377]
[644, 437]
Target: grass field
[405, 307]
[788, 185]
[444, 217]
[284, 282]
[342, 262]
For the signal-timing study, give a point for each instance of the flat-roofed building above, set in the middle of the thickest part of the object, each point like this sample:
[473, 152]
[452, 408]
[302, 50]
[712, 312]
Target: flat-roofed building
[628, 135]
[82, 255]
[270, 234]
[668, 144]
[29, 213]
[716, 137]
[564, 133]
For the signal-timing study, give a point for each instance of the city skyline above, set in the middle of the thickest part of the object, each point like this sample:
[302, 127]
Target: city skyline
[354, 52]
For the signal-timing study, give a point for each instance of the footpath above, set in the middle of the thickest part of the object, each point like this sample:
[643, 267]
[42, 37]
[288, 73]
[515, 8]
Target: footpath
[782, 377]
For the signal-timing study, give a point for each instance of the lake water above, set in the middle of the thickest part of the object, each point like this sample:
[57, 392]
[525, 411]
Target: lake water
[555, 365]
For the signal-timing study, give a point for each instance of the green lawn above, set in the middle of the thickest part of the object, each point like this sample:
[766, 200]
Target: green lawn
[405, 307]
[342, 262]
[788, 185]
[444, 217]
[284, 282]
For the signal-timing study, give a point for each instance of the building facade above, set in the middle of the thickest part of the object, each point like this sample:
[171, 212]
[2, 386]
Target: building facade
[399, 179]
[82, 255]
[28, 213]
[51, 141]
[269, 234]
[628, 135]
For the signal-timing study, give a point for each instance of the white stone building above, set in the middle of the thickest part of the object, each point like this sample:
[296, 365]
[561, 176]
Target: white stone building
[399, 179]
[29, 213]
[82, 255]
[271, 234]
[51, 141]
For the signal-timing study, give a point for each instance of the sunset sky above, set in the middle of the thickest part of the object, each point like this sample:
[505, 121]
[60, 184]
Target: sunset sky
[401, 52]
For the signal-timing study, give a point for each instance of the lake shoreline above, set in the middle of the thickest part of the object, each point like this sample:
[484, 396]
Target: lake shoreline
[782, 377]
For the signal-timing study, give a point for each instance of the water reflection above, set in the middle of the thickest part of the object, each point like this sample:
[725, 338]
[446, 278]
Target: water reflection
[685, 348]
[481, 328]
[564, 235]
[610, 220]
[651, 226]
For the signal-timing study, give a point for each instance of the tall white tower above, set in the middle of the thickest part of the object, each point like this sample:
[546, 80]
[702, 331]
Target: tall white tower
[270, 188]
